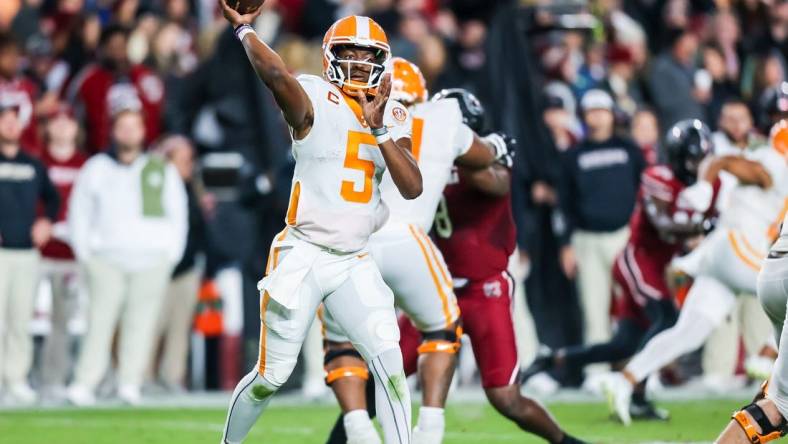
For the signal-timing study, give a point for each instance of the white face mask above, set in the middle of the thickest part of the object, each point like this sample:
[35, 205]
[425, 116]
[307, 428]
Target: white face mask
[340, 71]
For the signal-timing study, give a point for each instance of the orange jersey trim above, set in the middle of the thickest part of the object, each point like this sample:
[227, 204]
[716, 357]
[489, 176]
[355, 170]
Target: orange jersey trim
[273, 253]
[417, 129]
[292, 207]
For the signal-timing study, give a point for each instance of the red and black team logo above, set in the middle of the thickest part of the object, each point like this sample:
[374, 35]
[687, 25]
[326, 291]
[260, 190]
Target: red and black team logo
[399, 114]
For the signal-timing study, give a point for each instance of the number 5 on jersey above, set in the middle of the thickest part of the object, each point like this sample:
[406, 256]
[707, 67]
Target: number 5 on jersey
[354, 141]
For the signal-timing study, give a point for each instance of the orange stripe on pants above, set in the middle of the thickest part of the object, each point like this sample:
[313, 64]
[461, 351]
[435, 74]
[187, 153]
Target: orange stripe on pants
[737, 249]
[263, 333]
[438, 262]
[438, 286]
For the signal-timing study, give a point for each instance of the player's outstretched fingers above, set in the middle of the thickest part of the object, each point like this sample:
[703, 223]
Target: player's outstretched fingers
[385, 88]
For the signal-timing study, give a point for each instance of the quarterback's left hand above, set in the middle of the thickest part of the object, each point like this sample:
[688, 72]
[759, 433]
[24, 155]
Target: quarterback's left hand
[504, 147]
[373, 111]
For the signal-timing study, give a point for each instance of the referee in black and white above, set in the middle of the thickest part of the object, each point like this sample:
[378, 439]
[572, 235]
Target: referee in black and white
[24, 188]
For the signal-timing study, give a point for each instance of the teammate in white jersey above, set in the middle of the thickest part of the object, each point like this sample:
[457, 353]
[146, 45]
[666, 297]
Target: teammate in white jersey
[728, 264]
[346, 133]
[765, 419]
[411, 264]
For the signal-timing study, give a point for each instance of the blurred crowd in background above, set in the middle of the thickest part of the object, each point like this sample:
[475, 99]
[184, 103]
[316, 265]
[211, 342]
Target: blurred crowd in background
[159, 91]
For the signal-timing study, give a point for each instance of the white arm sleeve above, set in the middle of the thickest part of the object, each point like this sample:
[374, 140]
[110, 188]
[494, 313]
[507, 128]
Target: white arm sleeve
[696, 197]
[463, 139]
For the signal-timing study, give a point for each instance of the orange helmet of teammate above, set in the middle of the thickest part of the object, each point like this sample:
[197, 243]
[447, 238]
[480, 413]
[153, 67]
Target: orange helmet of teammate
[779, 137]
[361, 32]
[407, 83]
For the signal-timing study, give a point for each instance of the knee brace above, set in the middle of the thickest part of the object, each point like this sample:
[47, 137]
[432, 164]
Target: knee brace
[768, 433]
[441, 341]
[347, 371]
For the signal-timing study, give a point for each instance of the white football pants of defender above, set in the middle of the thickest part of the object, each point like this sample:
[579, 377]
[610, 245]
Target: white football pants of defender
[773, 293]
[727, 267]
[413, 267]
[301, 276]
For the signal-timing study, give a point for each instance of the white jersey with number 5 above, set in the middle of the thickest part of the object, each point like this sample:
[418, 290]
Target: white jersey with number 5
[410, 263]
[439, 137]
[335, 200]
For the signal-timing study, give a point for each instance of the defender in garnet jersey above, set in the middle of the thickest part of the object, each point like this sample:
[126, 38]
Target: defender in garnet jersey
[476, 234]
[672, 206]
[676, 202]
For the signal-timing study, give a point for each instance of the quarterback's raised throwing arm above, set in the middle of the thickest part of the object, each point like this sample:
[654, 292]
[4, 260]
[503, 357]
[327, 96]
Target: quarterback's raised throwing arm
[299, 112]
[291, 97]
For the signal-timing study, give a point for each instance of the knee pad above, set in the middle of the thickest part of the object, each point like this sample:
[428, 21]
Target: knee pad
[441, 341]
[346, 371]
[332, 354]
[768, 432]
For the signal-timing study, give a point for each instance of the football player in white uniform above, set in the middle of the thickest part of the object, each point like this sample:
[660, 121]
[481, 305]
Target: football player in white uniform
[411, 264]
[728, 263]
[346, 134]
[765, 419]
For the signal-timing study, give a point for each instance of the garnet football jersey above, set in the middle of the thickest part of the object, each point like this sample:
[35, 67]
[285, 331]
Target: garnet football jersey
[474, 231]
[660, 183]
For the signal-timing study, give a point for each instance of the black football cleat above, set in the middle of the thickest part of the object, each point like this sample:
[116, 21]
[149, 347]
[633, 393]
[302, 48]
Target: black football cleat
[647, 411]
[542, 362]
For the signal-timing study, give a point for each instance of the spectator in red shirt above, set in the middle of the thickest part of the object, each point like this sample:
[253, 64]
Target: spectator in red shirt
[19, 89]
[115, 75]
[63, 160]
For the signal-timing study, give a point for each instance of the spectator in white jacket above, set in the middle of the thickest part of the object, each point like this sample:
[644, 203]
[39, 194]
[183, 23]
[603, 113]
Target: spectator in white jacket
[128, 222]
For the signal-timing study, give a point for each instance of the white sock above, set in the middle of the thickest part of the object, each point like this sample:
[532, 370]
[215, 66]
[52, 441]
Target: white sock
[392, 396]
[430, 427]
[431, 419]
[357, 423]
[250, 398]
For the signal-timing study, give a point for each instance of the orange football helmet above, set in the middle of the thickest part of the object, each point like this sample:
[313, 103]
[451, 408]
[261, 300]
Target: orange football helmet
[356, 31]
[407, 82]
[778, 137]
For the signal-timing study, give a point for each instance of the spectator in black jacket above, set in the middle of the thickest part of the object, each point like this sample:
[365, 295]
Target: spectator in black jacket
[678, 90]
[600, 178]
[24, 184]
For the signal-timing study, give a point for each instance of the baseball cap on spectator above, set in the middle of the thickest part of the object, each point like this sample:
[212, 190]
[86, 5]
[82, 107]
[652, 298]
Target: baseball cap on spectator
[552, 101]
[596, 99]
[123, 97]
[38, 45]
[8, 101]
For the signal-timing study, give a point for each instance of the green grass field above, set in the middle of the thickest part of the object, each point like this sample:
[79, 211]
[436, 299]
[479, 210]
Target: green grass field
[695, 421]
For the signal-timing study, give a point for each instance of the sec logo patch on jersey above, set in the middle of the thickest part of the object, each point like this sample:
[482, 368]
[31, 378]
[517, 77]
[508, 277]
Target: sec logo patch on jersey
[399, 114]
